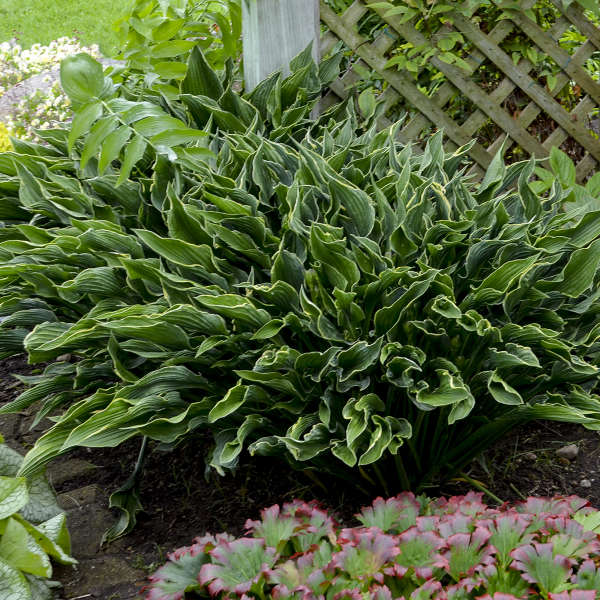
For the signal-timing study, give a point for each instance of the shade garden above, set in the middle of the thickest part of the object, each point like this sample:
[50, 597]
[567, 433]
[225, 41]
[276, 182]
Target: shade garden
[187, 261]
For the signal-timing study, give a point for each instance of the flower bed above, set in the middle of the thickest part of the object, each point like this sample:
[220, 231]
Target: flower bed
[42, 105]
[405, 547]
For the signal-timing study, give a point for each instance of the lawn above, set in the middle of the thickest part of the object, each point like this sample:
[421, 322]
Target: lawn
[89, 20]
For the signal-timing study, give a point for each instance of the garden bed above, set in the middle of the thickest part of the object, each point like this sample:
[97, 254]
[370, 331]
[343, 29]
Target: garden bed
[180, 502]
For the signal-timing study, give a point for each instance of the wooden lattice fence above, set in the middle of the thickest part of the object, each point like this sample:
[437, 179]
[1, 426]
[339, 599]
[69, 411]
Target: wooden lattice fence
[489, 107]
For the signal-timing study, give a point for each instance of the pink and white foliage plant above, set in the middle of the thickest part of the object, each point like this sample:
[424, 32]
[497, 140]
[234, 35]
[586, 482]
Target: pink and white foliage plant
[407, 547]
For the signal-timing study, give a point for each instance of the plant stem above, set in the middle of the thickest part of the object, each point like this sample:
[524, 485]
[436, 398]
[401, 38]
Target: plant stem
[481, 488]
[381, 479]
[402, 472]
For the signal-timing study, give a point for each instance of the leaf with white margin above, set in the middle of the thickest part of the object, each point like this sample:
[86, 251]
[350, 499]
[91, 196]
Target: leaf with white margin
[21, 551]
[42, 503]
[13, 585]
[52, 536]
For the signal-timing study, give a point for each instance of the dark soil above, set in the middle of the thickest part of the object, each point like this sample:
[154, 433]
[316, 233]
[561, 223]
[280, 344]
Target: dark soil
[180, 502]
[526, 463]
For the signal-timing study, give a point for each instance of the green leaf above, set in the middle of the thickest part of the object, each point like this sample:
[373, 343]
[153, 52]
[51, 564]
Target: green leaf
[112, 146]
[356, 204]
[82, 78]
[20, 550]
[13, 495]
[201, 79]
[175, 137]
[502, 392]
[134, 152]
[367, 103]
[83, 121]
[563, 167]
[232, 401]
[580, 272]
[13, 585]
[99, 132]
[172, 48]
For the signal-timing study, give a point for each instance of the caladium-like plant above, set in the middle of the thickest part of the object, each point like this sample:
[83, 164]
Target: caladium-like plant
[505, 553]
[33, 532]
[301, 287]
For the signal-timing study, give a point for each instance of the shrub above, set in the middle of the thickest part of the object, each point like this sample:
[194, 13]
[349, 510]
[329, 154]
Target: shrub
[405, 547]
[156, 37]
[299, 286]
[4, 138]
[32, 532]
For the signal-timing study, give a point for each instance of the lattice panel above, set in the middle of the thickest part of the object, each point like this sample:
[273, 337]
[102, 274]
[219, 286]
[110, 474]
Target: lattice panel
[487, 107]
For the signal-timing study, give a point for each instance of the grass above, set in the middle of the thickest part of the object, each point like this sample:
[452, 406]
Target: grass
[32, 21]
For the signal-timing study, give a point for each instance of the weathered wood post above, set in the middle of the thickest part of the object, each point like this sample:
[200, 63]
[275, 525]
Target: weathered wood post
[275, 31]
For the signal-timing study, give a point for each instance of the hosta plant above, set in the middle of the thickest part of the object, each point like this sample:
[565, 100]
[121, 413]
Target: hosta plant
[406, 547]
[32, 532]
[298, 285]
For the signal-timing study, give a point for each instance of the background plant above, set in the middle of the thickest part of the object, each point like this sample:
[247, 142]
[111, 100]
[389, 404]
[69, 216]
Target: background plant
[157, 37]
[32, 532]
[18, 63]
[404, 547]
[37, 22]
[4, 139]
[443, 39]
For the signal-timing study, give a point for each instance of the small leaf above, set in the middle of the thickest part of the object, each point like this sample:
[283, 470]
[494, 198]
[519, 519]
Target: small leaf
[134, 152]
[563, 167]
[111, 148]
[83, 121]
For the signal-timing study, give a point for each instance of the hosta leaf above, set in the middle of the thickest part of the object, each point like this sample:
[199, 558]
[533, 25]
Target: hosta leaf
[380, 439]
[201, 79]
[236, 308]
[502, 392]
[580, 271]
[358, 358]
[151, 126]
[271, 329]
[514, 355]
[229, 442]
[502, 278]
[170, 69]
[357, 206]
[234, 398]
[175, 137]
[178, 251]
[563, 167]
[450, 391]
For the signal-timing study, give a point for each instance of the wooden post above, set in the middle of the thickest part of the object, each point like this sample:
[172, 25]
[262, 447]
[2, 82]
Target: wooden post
[275, 31]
